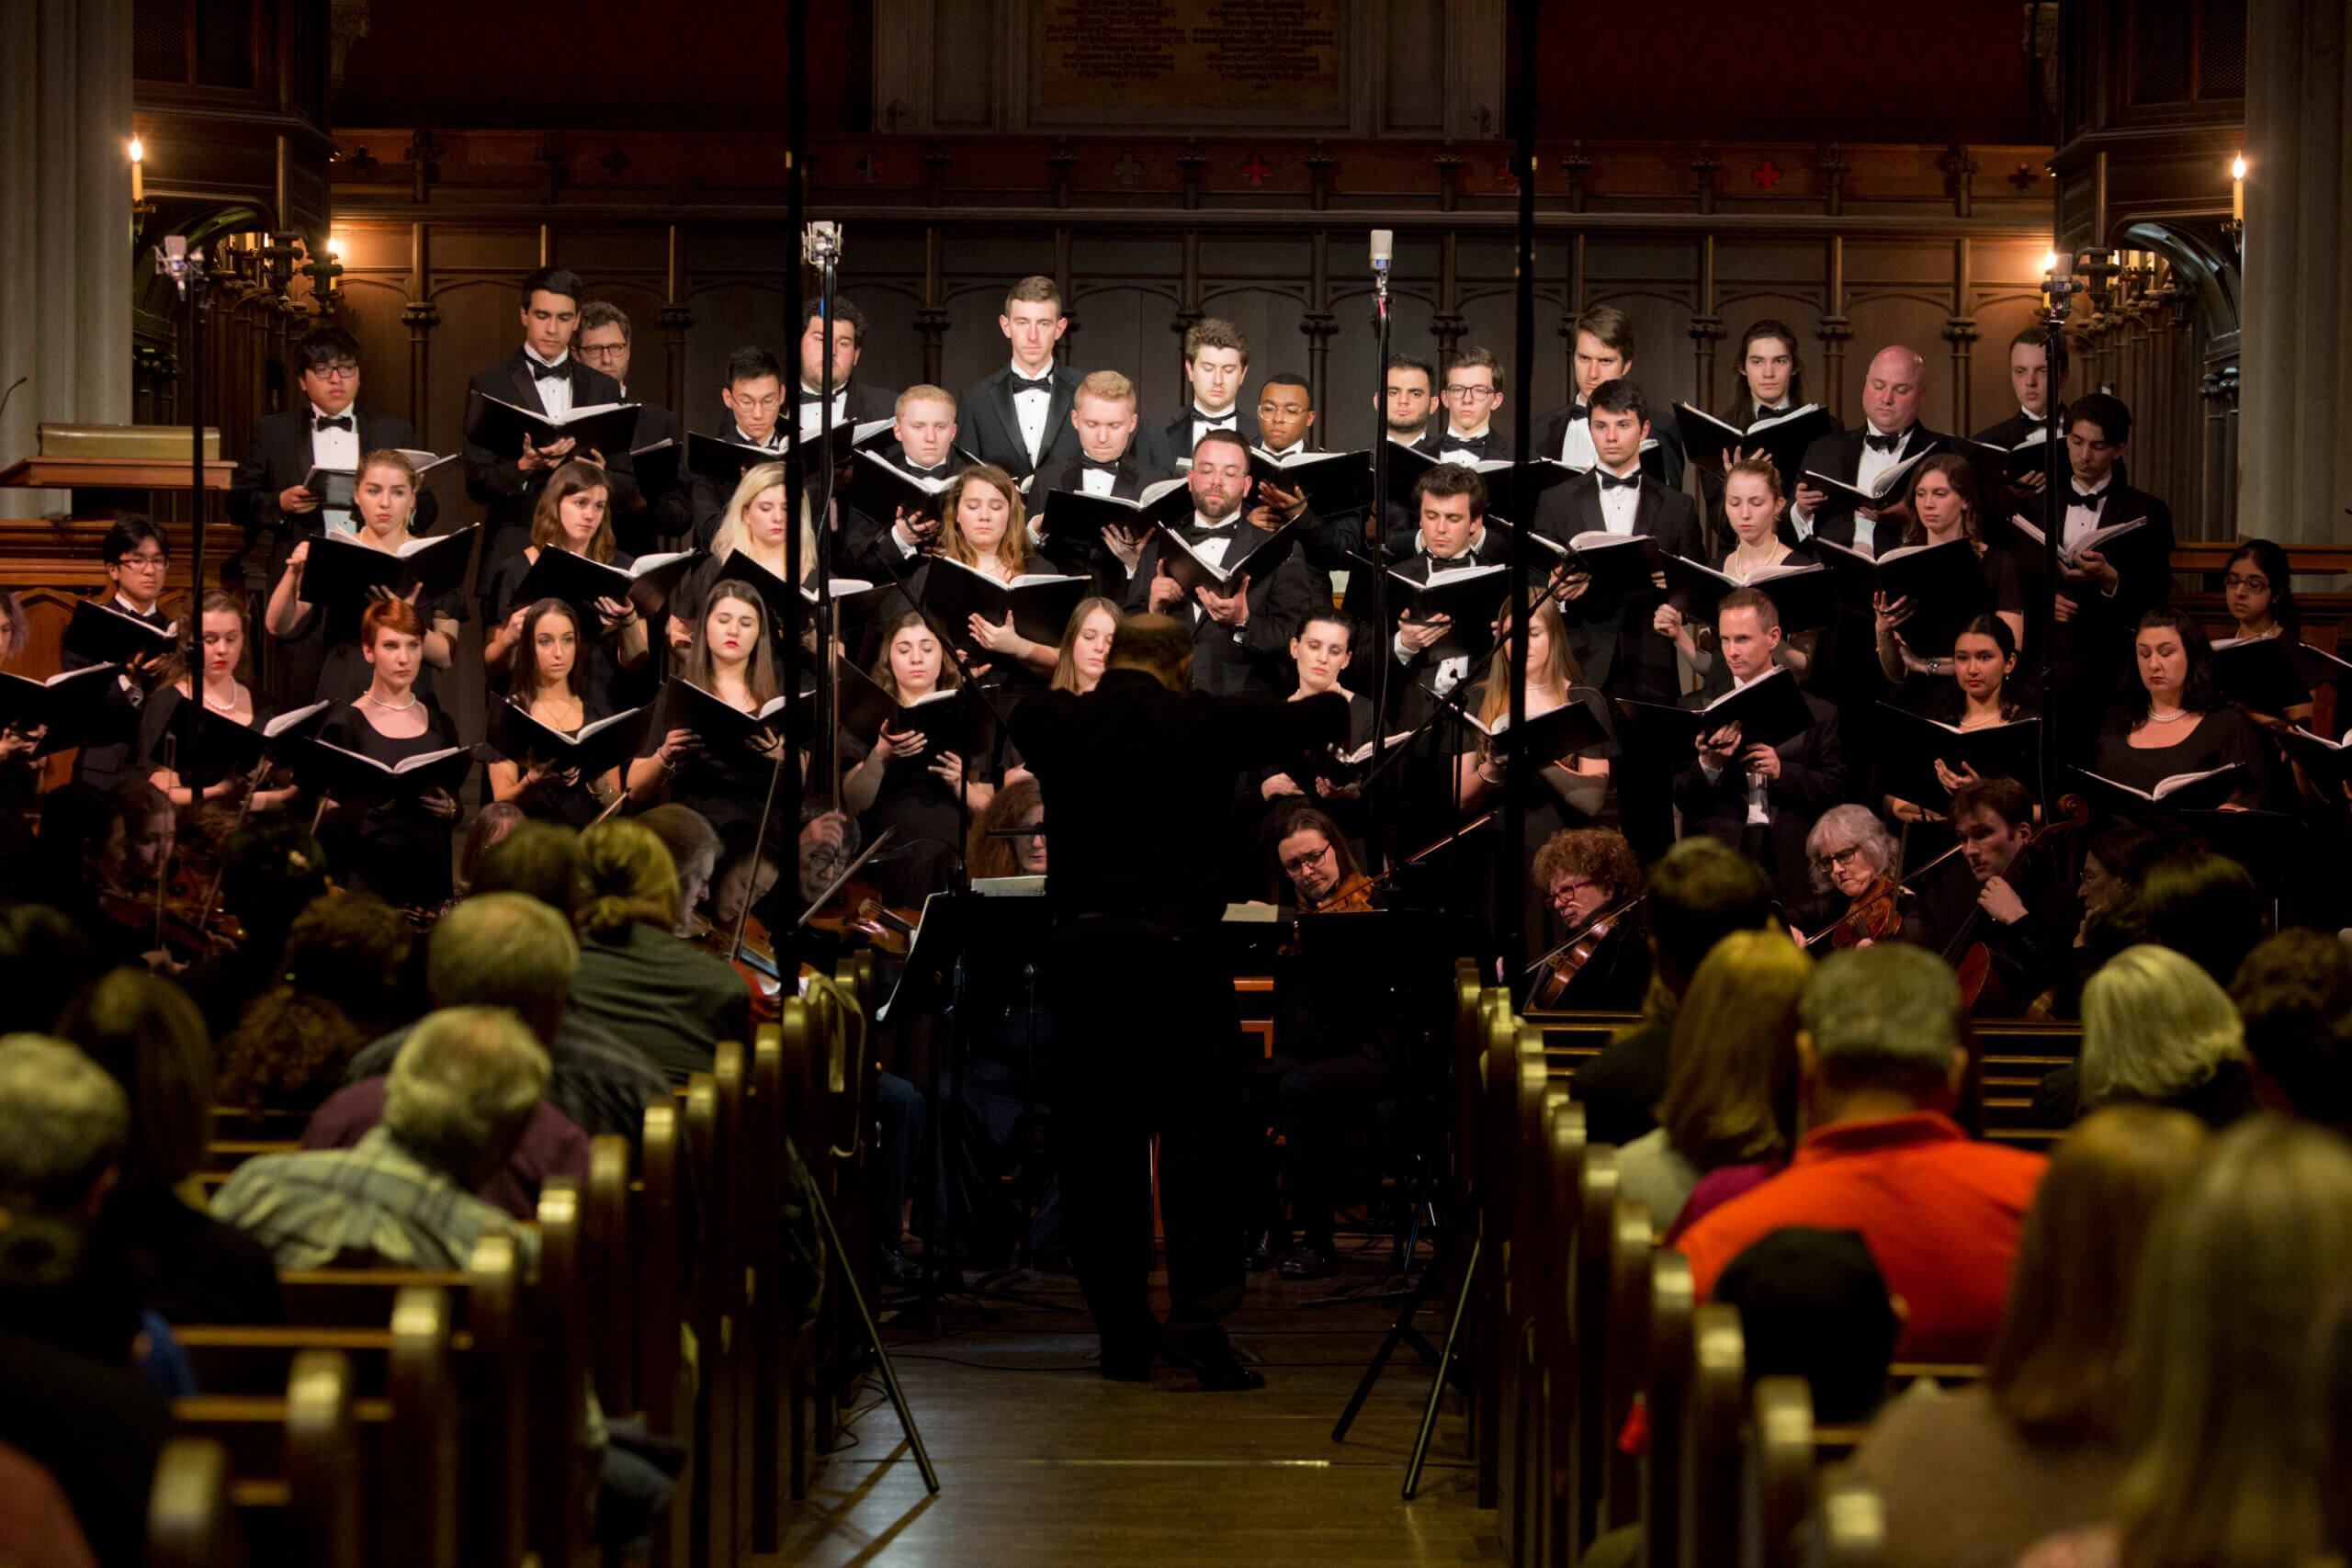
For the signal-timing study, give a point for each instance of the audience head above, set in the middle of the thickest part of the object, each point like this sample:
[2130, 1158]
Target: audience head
[62, 1125]
[1020, 804]
[1085, 652]
[1731, 1086]
[533, 858]
[1891, 388]
[341, 984]
[1313, 853]
[462, 1088]
[1157, 645]
[2175, 664]
[45, 960]
[693, 846]
[623, 877]
[490, 827]
[2222, 1413]
[2294, 999]
[2056, 1366]
[1813, 1305]
[2259, 587]
[1285, 409]
[276, 870]
[1698, 893]
[1881, 1028]
[149, 1037]
[2200, 904]
[2155, 1026]
[1850, 847]
[1584, 871]
[504, 950]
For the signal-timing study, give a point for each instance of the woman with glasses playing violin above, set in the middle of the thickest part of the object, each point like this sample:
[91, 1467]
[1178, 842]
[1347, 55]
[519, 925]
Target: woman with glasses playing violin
[1589, 876]
[1854, 854]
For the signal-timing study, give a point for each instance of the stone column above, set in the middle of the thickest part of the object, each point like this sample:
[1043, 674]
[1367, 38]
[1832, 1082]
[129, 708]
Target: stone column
[65, 221]
[2295, 472]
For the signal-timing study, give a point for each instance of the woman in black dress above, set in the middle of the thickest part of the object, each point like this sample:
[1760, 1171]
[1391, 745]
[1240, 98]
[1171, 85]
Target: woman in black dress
[383, 503]
[1943, 508]
[1752, 505]
[728, 657]
[548, 682]
[891, 785]
[753, 529]
[227, 700]
[398, 851]
[574, 514]
[2173, 720]
[1978, 695]
[983, 527]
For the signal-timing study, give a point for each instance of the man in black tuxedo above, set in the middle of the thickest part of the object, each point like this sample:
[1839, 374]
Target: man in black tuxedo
[1107, 464]
[1891, 434]
[1604, 351]
[266, 498]
[1019, 418]
[854, 402]
[604, 343]
[1408, 408]
[1285, 415]
[1240, 636]
[1760, 800]
[1217, 361]
[1433, 657]
[1472, 398]
[921, 445]
[2037, 383]
[545, 376]
[752, 395]
[1617, 646]
[2102, 596]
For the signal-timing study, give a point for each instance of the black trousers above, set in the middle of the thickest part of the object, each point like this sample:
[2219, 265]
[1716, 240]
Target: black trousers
[1147, 1043]
[1309, 1104]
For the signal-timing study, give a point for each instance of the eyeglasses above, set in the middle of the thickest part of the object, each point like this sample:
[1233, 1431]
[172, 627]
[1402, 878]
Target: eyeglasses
[1835, 859]
[1470, 394]
[143, 562]
[341, 370]
[601, 351]
[1567, 893]
[1297, 865]
[2252, 584]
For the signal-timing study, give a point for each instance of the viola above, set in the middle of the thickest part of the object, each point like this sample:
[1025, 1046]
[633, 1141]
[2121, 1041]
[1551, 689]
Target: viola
[1557, 969]
[856, 907]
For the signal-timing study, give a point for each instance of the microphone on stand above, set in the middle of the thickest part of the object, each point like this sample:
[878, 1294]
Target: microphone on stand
[1383, 251]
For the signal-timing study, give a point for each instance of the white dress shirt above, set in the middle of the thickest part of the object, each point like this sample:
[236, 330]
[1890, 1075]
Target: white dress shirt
[1030, 407]
[1096, 481]
[1575, 450]
[774, 442]
[1214, 548]
[2082, 515]
[1759, 788]
[1618, 504]
[555, 391]
[334, 448]
[1454, 435]
[812, 411]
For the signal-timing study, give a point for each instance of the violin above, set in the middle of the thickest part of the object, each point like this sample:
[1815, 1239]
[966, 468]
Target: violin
[1352, 896]
[1557, 969]
[753, 957]
[1875, 917]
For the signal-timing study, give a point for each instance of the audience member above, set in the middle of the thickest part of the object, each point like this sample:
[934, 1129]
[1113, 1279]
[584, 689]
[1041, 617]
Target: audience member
[535, 858]
[673, 1002]
[1699, 892]
[44, 961]
[1880, 1065]
[2156, 1028]
[2294, 995]
[339, 985]
[2200, 904]
[1813, 1305]
[276, 870]
[459, 1095]
[1729, 1111]
[191, 1268]
[1972, 1477]
[2223, 1417]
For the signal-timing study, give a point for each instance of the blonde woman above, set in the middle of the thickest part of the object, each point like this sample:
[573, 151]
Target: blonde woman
[383, 499]
[754, 528]
[2157, 1027]
[1085, 652]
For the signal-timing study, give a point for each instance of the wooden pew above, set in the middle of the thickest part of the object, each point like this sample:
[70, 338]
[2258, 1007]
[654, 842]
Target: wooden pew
[1779, 1471]
[710, 1313]
[191, 1523]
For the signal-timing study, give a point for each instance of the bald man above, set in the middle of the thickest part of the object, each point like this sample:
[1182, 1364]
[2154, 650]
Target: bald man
[1891, 434]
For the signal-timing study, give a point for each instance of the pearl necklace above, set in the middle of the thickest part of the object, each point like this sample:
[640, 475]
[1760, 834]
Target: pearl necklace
[369, 695]
[229, 706]
[2176, 713]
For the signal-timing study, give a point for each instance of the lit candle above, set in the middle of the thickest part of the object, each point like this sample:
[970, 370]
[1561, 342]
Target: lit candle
[2237, 188]
[138, 184]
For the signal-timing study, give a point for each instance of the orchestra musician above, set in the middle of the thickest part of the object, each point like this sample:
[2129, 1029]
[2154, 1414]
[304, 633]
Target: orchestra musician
[2017, 938]
[1854, 854]
[1585, 873]
[384, 502]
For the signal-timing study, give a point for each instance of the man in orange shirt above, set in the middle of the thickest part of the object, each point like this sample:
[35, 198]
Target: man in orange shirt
[1880, 1065]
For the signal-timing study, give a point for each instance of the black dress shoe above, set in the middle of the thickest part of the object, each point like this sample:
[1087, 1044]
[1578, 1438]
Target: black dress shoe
[1307, 1261]
[1218, 1368]
[899, 1270]
[1264, 1252]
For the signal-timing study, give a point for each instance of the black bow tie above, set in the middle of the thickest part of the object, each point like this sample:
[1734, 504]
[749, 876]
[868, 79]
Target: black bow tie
[2089, 497]
[807, 397]
[1620, 481]
[333, 422]
[922, 473]
[1099, 465]
[1763, 414]
[557, 372]
[1884, 443]
[1579, 411]
[1463, 443]
[1215, 421]
[1024, 384]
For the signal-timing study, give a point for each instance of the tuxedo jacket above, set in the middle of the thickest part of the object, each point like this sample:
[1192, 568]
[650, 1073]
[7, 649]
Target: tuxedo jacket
[1812, 779]
[1412, 683]
[500, 484]
[666, 514]
[1839, 456]
[1225, 659]
[987, 426]
[2010, 432]
[861, 549]
[2094, 646]
[1135, 472]
[1662, 462]
[1610, 634]
[1493, 446]
[1170, 445]
[281, 456]
[863, 404]
[706, 497]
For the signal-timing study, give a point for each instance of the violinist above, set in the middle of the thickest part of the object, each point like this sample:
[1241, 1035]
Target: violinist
[1333, 1051]
[96, 862]
[1019, 804]
[1586, 874]
[548, 679]
[1854, 854]
[384, 498]
[162, 719]
[2019, 935]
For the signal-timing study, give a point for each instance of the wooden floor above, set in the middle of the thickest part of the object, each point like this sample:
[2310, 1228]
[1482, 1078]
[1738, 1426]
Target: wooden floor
[1044, 1465]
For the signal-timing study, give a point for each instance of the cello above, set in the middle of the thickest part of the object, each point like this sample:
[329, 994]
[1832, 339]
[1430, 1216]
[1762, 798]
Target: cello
[1983, 989]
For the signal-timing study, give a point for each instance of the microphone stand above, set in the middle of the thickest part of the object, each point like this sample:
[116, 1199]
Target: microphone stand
[2056, 288]
[185, 265]
[1375, 522]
